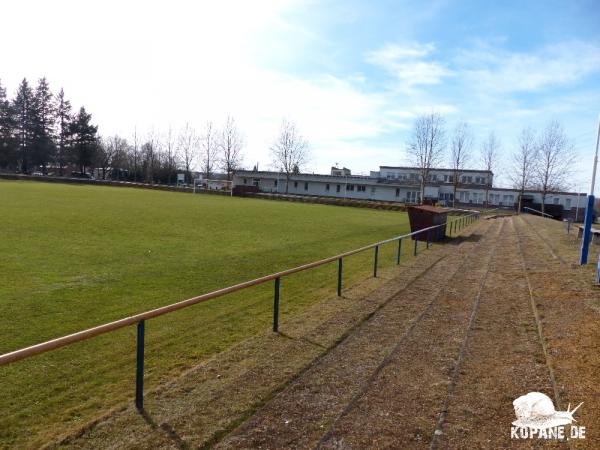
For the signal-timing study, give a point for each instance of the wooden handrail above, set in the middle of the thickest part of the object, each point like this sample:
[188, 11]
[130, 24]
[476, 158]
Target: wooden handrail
[52, 344]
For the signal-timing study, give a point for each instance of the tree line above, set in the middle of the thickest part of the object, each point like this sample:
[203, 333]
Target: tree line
[542, 160]
[158, 157]
[38, 129]
[40, 133]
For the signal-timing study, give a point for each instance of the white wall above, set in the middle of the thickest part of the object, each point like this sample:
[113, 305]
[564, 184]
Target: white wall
[387, 192]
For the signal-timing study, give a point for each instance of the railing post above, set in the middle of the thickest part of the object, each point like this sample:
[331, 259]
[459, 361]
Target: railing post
[139, 369]
[375, 261]
[427, 239]
[416, 243]
[339, 287]
[399, 251]
[276, 306]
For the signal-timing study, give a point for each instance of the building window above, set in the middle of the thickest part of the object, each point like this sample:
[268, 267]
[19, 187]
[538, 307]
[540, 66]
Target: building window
[275, 183]
[568, 203]
[360, 188]
[413, 196]
[556, 200]
[373, 189]
[295, 184]
[306, 186]
[350, 187]
[397, 192]
[327, 187]
[337, 188]
[245, 181]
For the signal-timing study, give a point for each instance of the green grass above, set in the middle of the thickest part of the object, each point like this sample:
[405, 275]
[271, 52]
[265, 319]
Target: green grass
[72, 257]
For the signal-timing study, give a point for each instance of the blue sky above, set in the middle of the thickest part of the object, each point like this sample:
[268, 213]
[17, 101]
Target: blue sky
[353, 75]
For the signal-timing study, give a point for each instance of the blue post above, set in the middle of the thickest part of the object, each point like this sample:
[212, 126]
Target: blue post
[339, 277]
[276, 306]
[416, 243]
[139, 369]
[375, 262]
[427, 239]
[587, 228]
[399, 251]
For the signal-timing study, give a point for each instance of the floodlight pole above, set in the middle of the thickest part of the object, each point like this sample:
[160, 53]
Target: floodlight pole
[589, 210]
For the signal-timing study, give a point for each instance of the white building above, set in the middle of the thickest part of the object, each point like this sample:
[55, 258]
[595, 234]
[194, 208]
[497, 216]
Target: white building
[402, 184]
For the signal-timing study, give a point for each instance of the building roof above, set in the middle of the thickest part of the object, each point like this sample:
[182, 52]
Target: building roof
[438, 169]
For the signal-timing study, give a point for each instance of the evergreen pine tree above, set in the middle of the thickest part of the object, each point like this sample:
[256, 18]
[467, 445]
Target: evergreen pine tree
[83, 139]
[63, 123]
[24, 110]
[43, 146]
[8, 143]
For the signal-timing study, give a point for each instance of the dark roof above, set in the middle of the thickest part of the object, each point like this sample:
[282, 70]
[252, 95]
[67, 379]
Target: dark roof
[438, 169]
[318, 175]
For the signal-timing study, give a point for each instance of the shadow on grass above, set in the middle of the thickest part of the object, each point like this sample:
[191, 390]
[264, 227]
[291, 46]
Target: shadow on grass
[457, 240]
[166, 429]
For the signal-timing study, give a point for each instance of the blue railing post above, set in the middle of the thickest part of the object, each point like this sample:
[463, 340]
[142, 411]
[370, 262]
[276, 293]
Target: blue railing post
[416, 243]
[587, 226]
[139, 368]
[427, 239]
[375, 261]
[276, 306]
[399, 251]
[339, 287]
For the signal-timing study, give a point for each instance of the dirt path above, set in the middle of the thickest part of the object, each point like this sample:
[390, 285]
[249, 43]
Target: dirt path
[504, 359]
[433, 358]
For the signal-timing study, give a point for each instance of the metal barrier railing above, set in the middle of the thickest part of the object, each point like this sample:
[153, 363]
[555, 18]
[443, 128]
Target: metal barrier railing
[543, 214]
[139, 319]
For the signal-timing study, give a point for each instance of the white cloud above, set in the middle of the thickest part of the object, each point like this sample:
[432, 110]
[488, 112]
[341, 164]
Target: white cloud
[407, 63]
[500, 70]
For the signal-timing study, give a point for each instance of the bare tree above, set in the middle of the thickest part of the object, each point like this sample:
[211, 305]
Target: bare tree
[554, 160]
[170, 156]
[230, 147]
[110, 149]
[186, 146]
[289, 151]
[490, 152]
[427, 145]
[121, 158]
[135, 154]
[208, 149]
[460, 154]
[150, 153]
[523, 162]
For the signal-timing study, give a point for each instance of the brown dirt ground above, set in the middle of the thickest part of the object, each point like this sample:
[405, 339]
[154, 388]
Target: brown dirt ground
[429, 356]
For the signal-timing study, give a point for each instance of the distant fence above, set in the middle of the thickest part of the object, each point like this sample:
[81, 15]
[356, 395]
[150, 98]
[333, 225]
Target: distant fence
[134, 184]
[139, 319]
